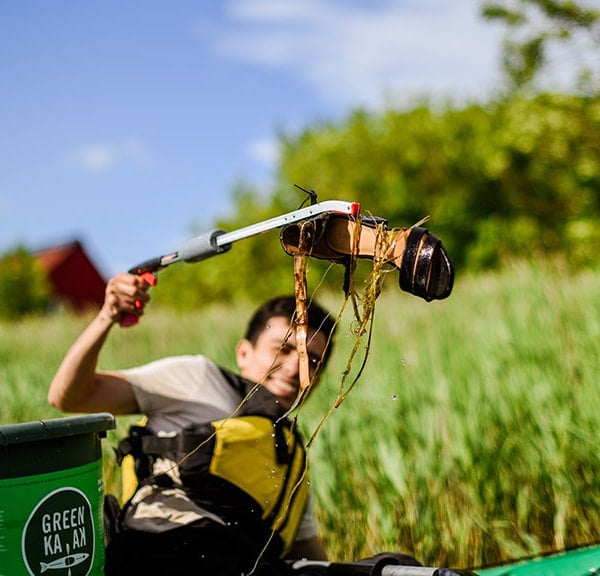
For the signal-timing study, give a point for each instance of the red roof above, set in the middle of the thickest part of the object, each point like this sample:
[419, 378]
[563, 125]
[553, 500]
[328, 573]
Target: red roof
[75, 280]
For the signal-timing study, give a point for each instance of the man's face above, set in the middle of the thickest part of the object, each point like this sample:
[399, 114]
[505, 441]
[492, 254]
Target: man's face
[273, 361]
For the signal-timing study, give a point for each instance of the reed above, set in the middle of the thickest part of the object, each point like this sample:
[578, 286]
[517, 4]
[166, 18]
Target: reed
[471, 437]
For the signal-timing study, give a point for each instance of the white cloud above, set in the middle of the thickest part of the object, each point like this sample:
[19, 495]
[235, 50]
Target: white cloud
[273, 11]
[96, 158]
[266, 151]
[358, 53]
[104, 157]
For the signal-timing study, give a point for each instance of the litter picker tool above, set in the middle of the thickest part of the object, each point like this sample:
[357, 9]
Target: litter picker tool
[333, 230]
[218, 241]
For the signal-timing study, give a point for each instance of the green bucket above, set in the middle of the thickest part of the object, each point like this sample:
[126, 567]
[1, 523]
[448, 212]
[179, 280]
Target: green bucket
[51, 494]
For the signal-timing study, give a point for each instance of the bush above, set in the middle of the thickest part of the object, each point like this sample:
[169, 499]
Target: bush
[24, 289]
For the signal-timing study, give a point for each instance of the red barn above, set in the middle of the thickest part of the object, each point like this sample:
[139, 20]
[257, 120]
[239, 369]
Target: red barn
[75, 280]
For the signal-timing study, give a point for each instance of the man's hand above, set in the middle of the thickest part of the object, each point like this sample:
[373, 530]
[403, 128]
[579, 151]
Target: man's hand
[125, 296]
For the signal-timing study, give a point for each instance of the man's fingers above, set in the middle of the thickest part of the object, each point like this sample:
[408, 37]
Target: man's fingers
[126, 294]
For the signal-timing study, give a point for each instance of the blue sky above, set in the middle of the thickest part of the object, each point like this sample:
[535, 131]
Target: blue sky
[127, 124]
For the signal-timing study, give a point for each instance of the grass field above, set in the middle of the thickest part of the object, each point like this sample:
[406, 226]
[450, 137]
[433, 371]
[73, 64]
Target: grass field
[472, 436]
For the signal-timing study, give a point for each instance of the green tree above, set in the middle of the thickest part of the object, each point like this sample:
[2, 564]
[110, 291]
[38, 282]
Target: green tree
[512, 179]
[536, 28]
[518, 177]
[24, 289]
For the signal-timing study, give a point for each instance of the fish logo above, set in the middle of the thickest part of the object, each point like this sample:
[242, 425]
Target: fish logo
[65, 562]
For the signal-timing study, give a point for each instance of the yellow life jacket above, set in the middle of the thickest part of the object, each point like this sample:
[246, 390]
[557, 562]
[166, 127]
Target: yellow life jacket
[249, 469]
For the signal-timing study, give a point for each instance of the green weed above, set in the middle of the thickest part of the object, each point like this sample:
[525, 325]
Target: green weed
[471, 437]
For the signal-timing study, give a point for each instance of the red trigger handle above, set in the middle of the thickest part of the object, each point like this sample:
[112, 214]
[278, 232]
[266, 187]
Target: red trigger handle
[149, 277]
[130, 319]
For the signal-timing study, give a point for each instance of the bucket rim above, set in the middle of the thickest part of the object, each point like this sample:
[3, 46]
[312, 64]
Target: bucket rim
[55, 428]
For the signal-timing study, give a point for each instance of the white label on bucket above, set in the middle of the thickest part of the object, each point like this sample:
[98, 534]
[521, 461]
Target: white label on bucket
[58, 538]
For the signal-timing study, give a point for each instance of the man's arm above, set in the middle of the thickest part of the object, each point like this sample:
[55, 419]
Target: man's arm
[77, 386]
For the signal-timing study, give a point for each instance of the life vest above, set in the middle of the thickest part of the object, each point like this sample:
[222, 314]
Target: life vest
[249, 469]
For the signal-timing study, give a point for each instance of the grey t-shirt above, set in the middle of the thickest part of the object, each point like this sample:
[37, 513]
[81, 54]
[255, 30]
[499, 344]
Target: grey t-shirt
[174, 392]
[181, 390]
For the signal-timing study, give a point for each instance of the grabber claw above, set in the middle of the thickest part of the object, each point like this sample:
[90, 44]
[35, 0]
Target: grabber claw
[425, 267]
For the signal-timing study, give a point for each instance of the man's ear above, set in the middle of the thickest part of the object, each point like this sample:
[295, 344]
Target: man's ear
[243, 351]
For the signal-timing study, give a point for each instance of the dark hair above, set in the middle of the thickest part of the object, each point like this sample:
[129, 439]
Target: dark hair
[285, 306]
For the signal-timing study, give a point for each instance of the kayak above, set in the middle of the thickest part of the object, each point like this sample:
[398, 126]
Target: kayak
[576, 562]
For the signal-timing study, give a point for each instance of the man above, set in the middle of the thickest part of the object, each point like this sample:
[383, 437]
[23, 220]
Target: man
[172, 525]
